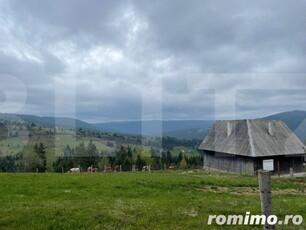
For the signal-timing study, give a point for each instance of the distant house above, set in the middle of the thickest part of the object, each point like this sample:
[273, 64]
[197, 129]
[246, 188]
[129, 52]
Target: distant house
[244, 146]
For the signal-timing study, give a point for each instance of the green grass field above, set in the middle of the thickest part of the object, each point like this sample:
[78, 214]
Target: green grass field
[157, 200]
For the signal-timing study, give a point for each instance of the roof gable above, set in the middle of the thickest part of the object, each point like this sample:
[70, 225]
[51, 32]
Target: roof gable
[252, 138]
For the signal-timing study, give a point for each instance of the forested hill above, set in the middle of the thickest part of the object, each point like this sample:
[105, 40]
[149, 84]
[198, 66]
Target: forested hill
[157, 127]
[49, 122]
[197, 129]
[182, 129]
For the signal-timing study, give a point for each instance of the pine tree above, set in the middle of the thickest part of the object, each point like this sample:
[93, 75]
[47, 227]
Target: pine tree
[91, 154]
[41, 152]
[183, 164]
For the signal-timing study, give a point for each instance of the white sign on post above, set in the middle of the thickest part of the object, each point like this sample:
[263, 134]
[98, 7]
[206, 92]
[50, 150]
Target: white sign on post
[268, 164]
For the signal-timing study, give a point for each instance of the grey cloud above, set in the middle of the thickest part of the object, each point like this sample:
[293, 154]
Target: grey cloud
[118, 60]
[268, 101]
[52, 65]
[74, 17]
[224, 34]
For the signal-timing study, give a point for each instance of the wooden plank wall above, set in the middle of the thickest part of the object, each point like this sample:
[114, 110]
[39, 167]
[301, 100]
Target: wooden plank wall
[285, 162]
[228, 163]
[248, 165]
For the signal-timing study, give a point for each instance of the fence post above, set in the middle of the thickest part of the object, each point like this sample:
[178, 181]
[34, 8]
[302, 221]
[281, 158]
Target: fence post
[264, 179]
[291, 172]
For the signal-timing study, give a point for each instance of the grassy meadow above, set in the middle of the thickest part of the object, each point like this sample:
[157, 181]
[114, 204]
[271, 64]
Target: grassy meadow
[156, 200]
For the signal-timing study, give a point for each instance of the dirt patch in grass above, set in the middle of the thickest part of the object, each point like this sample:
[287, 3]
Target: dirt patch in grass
[248, 191]
[191, 213]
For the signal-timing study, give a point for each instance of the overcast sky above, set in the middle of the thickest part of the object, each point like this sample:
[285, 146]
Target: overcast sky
[128, 60]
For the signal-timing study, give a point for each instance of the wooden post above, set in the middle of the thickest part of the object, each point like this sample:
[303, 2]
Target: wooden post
[120, 168]
[149, 168]
[278, 168]
[36, 170]
[104, 168]
[134, 168]
[62, 169]
[165, 167]
[291, 172]
[264, 179]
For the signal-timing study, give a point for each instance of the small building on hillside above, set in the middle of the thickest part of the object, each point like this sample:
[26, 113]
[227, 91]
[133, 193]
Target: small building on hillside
[245, 146]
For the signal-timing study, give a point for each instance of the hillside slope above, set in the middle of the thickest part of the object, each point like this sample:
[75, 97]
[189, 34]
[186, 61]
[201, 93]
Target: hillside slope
[49, 122]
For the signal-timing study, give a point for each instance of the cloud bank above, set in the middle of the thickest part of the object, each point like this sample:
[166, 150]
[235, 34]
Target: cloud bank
[129, 60]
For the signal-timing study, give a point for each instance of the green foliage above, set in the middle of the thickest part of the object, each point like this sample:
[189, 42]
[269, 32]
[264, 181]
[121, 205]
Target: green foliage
[40, 150]
[183, 164]
[3, 131]
[92, 150]
[63, 164]
[156, 163]
[69, 152]
[82, 155]
[144, 154]
[110, 144]
[33, 163]
[7, 164]
[139, 163]
[103, 162]
[92, 155]
[124, 158]
[80, 150]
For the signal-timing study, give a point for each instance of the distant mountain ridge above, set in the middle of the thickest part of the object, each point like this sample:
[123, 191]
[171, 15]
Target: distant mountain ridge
[295, 120]
[292, 118]
[189, 134]
[155, 127]
[49, 122]
[181, 129]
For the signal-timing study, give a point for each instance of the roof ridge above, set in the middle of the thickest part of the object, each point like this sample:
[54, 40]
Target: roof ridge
[253, 154]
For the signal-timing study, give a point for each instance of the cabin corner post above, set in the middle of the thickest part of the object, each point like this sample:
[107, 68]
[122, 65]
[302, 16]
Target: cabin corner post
[264, 179]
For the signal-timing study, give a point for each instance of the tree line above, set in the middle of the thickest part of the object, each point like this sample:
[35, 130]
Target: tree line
[125, 156]
[21, 162]
[84, 156]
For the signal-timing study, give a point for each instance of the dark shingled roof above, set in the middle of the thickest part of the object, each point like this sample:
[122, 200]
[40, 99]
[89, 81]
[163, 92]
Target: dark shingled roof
[252, 138]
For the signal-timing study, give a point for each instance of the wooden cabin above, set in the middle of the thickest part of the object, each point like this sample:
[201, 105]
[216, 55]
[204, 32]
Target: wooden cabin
[245, 146]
